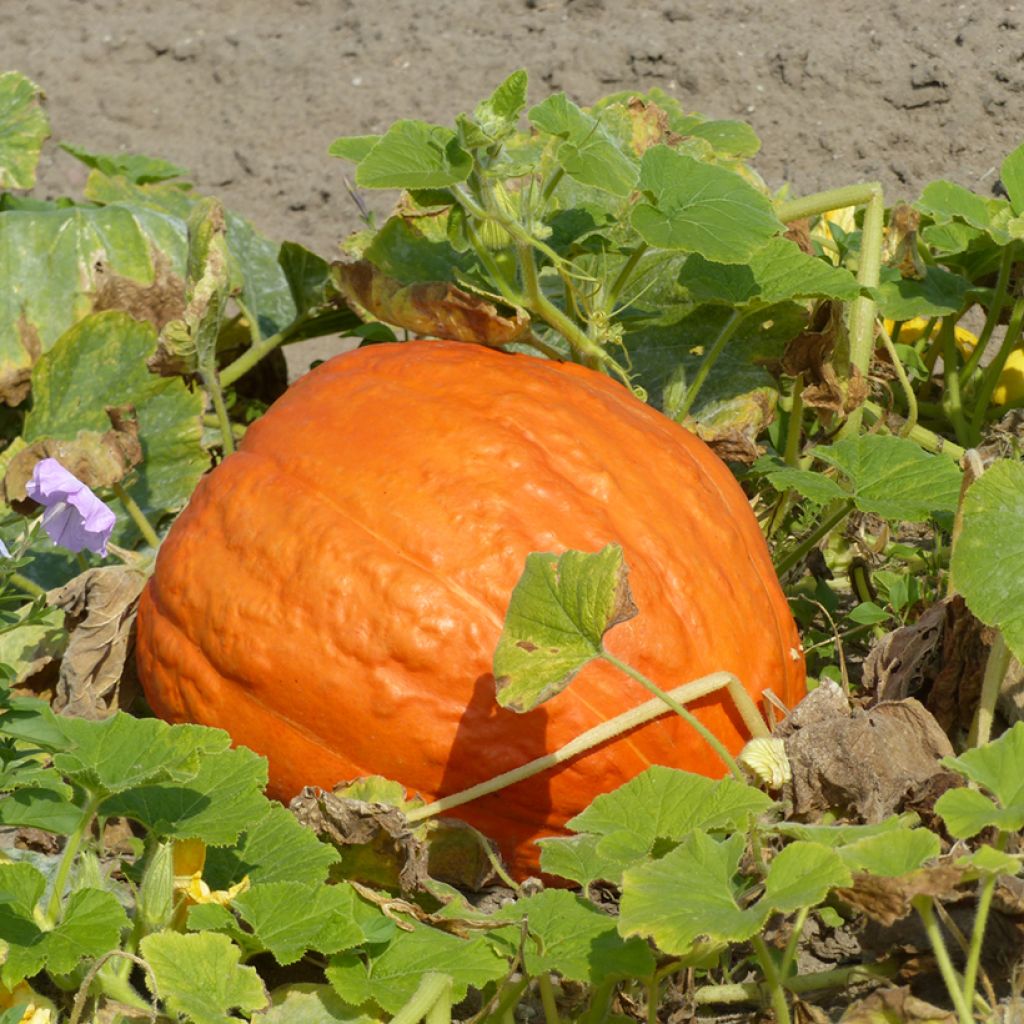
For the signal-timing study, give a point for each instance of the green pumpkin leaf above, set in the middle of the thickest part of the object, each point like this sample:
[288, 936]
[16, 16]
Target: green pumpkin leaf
[945, 201]
[101, 361]
[802, 875]
[816, 487]
[47, 809]
[308, 1003]
[557, 617]
[56, 264]
[893, 478]
[414, 154]
[23, 129]
[90, 925]
[353, 147]
[139, 169]
[392, 978]
[288, 918]
[992, 538]
[571, 937]
[498, 115]
[660, 806]
[995, 767]
[891, 854]
[1011, 174]
[587, 153]
[31, 644]
[776, 272]
[987, 860]
[198, 976]
[705, 909]
[274, 848]
[216, 805]
[701, 208]
[939, 294]
[578, 859]
[122, 752]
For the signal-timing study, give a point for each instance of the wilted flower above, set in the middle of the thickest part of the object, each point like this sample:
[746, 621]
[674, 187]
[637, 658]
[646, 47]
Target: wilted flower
[74, 518]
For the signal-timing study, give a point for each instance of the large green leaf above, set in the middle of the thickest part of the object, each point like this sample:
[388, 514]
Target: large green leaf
[701, 208]
[776, 272]
[199, 977]
[940, 293]
[101, 362]
[414, 154]
[23, 129]
[987, 559]
[556, 620]
[588, 153]
[54, 264]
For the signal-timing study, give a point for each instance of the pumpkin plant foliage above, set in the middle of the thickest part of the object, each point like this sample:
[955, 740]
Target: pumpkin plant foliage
[840, 355]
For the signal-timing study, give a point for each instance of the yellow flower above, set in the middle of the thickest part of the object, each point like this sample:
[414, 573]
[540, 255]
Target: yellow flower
[189, 858]
[39, 1010]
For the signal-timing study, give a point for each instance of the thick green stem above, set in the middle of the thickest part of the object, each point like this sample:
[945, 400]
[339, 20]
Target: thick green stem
[623, 276]
[539, 303]
[908, 391]
[137, 515]
[776, 992]
[26, 585]
[710, 358]
[831, 517]
[547, 999]
[921, 436]
[996, 667]
[212, 384]
[252, 355]
[602, 733]
[789, 954]
[995, 310]
[926, 911]
[951, 401]
[990, 378]
[751, 992]
[862, 309]
[433, 988]
[795, 423]
[822, 202]
[986, 890]
[67, 860]
[669, 701]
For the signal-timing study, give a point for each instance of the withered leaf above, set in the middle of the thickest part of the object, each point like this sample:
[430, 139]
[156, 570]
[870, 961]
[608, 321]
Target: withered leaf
[650, 126]
[380, 849]
[98, 460]
[99, 608]
[860, 764]
[899, 248]
[731, 427]
[895, 1006]
[159, 302]
[888, 900]
[940, 658]
[436, 309]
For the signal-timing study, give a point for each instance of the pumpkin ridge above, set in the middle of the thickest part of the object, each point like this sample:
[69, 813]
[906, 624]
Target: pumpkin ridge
[237, 687]
[454, 588]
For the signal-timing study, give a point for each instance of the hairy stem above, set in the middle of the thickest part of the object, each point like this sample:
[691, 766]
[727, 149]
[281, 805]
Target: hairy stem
[776, 992]
[995, 309]
[925, 909]
[433, 988]
[921, 436]
[602, 733]
[862, 309]
[67, 860]
[908, 391]
[951, 401]
[990, 378]
[830, 518]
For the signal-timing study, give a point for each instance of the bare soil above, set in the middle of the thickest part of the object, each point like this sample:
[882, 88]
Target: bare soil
[248, 94]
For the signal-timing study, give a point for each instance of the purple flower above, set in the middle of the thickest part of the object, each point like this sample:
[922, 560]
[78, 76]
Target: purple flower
[74, 518]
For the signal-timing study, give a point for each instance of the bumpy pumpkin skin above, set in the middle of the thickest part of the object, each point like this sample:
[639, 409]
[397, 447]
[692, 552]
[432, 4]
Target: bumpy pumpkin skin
[333, 594]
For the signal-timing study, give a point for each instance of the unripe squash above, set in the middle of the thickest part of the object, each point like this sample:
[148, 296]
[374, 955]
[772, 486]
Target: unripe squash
[334, 592]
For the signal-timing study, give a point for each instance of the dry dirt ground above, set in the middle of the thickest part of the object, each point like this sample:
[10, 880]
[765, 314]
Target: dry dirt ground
[248, 94]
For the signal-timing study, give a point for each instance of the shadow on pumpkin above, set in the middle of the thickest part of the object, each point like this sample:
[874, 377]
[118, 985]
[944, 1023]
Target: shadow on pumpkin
[489, 741]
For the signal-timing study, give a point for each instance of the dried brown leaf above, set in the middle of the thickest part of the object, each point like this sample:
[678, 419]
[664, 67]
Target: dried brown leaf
[895, 1006]
[380, 849]
[158, 302]
[862, 765]
[650, 126]
[99, 613]
[435, 309]
[98, 460]
[732, 427]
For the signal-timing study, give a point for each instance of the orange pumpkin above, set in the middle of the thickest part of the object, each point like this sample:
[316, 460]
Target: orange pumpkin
[334, 592]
